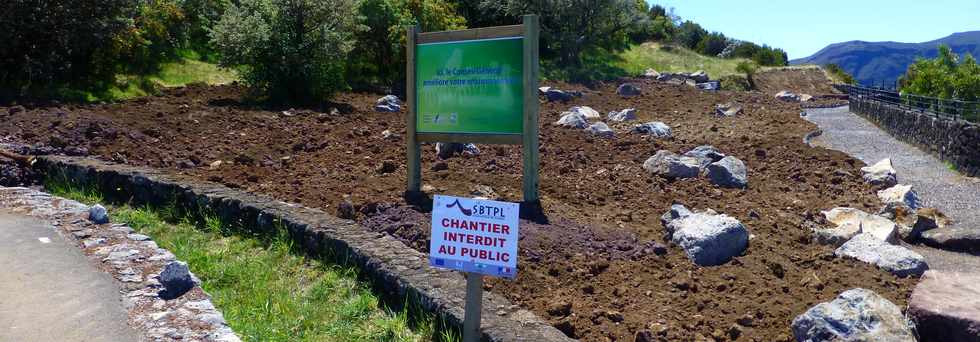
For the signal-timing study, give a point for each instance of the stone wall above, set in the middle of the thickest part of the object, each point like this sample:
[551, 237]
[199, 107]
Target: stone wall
[955, 141]
[397, 271]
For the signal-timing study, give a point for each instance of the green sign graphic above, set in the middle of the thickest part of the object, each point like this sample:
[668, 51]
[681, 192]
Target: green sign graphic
[473, 86]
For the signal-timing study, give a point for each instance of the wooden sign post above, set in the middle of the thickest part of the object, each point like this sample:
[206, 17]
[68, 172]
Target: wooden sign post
[475, 86]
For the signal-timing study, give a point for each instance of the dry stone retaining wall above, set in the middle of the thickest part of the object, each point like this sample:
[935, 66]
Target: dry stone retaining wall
[397, 271]
[955, 141]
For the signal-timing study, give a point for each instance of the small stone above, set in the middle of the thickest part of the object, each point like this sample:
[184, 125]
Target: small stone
[705, 154]
[98, 214]
[138, 237]
[709, 239]
[628, 90]
[387, 166]
[560, 309]
[440, 166]
[572, 120]
[176, 279]
[879, 227]
[901, 194]
[880, 174]
[345, 210]
[600, 129]
[655, 129]
[83, 234]
[587, 112]
[389, 103]
[628, 114]
[669, 165]
[728, 109]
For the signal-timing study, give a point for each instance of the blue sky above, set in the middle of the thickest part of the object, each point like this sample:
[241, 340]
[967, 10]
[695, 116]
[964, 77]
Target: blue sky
[804, 27]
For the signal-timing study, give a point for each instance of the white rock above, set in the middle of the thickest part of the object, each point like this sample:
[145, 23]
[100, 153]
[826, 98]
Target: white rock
[572, 120]
[650, 73]
[728, 109]
[600, 129]
[587, 112]
[705, 154]
[877, 226]
[855, 315]
[805, 97]
[881, 173]
[900, 194]
[656, 129]
[628, 114]
[788, 96]
[898, 260]
[669, 165]
[707, 239]
[728, 172]
[836, 236]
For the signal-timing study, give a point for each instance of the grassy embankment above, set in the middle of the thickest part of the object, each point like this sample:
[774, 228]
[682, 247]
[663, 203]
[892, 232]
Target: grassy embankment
[188, 68]
[268, 290]
[669, 58]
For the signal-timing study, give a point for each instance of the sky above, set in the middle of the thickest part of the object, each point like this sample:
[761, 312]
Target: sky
[804, 27]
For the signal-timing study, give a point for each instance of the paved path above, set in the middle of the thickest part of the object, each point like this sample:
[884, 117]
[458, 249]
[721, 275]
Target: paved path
[955, 195]
[49, 291]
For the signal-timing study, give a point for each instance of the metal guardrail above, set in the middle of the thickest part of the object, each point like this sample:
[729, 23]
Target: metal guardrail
[942, 108]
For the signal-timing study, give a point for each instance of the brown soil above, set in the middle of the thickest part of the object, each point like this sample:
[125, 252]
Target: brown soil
[803, 80]
[596, 271]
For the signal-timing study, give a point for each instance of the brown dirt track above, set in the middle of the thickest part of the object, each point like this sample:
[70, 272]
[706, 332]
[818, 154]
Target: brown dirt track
[593, 271]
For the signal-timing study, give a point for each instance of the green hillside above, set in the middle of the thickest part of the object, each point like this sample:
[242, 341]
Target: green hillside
[670, 58]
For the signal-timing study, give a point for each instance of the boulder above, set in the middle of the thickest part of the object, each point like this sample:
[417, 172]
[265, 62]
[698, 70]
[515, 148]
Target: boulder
[855, 315]
[706, 154]
[945, 306]
[448, 150]
[388, 103]
[656, 129]
[898, 260]
[650, 73]
[553, 95]
[805, 97]
[176, 279]
[600, 129]
[628, 114]
[836, 236]
[900, 194]
[671, 166]
[877, 226]
[572, 120]
[628, 90]
[543, 90]
[676, 211]
[587, 112]
[959, 239]
[98, 214]
[913, 222]
[709, 239]
[710, 85]
[699, 76]
[728, 109]
[728, 172]
[881, 173]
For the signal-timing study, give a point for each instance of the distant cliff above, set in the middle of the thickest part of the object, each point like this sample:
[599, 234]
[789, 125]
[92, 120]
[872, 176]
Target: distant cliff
[877, 61]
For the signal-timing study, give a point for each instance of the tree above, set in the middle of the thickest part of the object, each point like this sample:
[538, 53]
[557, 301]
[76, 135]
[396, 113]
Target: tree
[379, 58]
[288, 49]
[571, 28]
[54, 42]
[689, 34]
[945, 77]
[712, 44]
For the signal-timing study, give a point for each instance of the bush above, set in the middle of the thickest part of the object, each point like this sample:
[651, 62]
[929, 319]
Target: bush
[201, 16]
[51, 43]
[838, 74]
[712, 44]
[288, 49]
[689, 34]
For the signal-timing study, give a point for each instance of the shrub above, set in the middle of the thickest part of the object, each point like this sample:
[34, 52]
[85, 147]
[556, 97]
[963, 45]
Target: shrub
[55, 42]
[689, 34]
[201, 16]
[712, 44]
[288, 49]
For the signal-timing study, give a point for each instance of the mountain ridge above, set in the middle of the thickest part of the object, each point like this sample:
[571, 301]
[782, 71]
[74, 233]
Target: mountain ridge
[875, 62]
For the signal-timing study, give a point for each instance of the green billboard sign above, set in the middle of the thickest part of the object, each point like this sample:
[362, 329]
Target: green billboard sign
[470, 86]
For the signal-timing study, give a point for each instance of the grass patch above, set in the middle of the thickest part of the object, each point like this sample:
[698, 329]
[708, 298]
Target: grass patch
[266, 288]
[669, 58]
[186, 69]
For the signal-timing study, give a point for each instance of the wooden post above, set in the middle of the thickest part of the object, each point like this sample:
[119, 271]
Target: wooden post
[473, 308]
[531, 27]
[413, 152]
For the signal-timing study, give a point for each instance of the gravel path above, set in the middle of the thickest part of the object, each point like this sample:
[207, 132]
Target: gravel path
[955, 195]
[49, 291]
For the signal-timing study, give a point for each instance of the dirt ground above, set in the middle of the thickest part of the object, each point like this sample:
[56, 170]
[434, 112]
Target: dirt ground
[805, 80]
[599, 270]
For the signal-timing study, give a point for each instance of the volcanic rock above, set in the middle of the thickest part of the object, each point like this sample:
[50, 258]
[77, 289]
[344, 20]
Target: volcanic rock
[709, 239]
[628, 114]
[900, 194]
[895, 259]
[855, 315]
[600, 129]
[945, 306]
[572, 120]
[879, 227]
[728, 172]
[628, 90]
[656, 129]
[587, 112]
[671, 166]
[881, 173]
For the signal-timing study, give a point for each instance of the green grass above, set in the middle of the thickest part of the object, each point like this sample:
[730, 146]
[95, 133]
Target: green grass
[266, 289]
[671, 58]
[188, 68]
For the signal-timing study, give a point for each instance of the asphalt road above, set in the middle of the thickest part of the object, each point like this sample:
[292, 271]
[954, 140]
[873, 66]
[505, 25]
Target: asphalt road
[937, 186]
[49, 290]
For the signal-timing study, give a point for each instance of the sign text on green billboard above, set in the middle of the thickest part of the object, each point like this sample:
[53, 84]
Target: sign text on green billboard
[470, 86]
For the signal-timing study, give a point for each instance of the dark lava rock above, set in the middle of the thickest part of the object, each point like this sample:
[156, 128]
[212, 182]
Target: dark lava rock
[176, 279]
